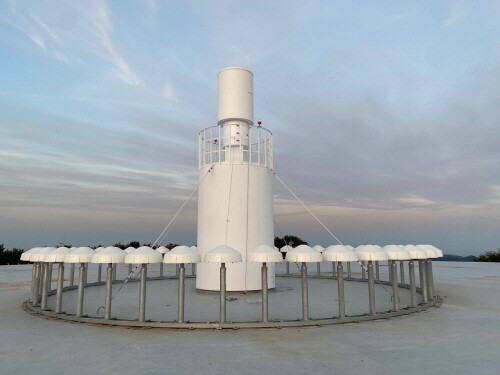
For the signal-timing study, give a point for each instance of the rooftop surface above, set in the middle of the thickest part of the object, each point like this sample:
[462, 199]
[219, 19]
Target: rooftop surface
[460, 337]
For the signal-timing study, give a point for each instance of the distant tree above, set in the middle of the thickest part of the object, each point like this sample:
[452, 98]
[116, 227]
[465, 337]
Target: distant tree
[290, 240]
[10, 256]
[171, 245]
[489, 256]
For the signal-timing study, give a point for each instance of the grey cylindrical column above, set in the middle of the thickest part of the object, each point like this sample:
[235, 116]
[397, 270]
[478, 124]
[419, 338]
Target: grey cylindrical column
[60, 284]
[49, 277]
[371, 288]
[36, 285]
[33, 273]
[222, 303]
[81, 287]
[402, 271]
[333, 270]
[395, 286]
[265, 305]
[423, 280]
[114, 271]
[413, 288]
[180, 305]
[363, 272]
[305, 292]
[340, 285]
[430, 279]
[72, 274]
[377, 270]
[349, 273]
[142, 293]
[389, 271]
[193, 269]
[287, 268]
[109, 291]
[45, 285]
[176, 270]
[161, 269]
[99, 272]
[318, 268]
[129, 269]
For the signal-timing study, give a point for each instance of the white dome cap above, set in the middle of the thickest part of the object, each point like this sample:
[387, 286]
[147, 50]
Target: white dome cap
[162, 250]
[129, 249]
[109, 254]
[99, 249]
[318, 248]
[194, 247]
[286, 249]
[303, 253]
[25, 256]
[416, 252]
[431, 252]
[339, 253]
[40, 254]
[264, 253]
[57, 255]
[370, 253]
[143, 254]
[395, 252]
[438, 251]
[223, 254]
[182, 254]
[80, 255]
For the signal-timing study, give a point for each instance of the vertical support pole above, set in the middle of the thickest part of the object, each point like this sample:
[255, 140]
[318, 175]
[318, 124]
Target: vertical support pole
[413, 288]
[423, 280]
[161, 269]
[402, 271]
[45, 285]
[142, 293]
[340, 285]
[81, 286]
[99, 273]
[222, 305]
[114, 271]
[36, 285]
[363, 272]
[265, 305]
[40, 283]
[395, 286]
[60, 284]
[109, 291]
[33, 274]
[287, 268]
[193, 269]
[377, 270]
[49, 277]
[430, 279]
[371, 288]
[389, 270]
[176, 270]
[318, 268]
[180, 305]
[72, 274]
[333, 270]
[305, 294]
[129, 269]
[349, 273]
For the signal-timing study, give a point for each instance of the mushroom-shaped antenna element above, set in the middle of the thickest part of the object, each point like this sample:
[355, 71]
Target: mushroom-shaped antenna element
[303, 254]
[25, 256]
[339, 254]
[395, 252]
[181, 255]
[285, 249]
[129, 249]
[222, 254]
[432, 252]
[82, 255]
[421, 255]
[58, 256]
[144, 255]
[264, 254]
[38, 256]
[109, 255]
[371, 253]
[319, 249]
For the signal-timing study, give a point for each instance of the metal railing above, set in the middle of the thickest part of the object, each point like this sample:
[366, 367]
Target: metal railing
[236, 144]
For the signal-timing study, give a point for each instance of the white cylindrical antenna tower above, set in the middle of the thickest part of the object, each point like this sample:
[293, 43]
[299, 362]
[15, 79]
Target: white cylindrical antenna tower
[235, 197]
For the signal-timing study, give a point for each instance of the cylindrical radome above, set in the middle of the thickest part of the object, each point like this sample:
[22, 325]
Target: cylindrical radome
[235, 196]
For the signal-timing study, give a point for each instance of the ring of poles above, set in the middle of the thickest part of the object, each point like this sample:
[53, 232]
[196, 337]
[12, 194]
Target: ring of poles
[368, 256]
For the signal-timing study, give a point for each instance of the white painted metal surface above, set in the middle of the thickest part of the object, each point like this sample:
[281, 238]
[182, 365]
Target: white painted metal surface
[235, 197]
[80, 255]
[303, 253]
[370, 252]
[58, 255]
[39, 255]
[395, 252]
[339, 253]
[415, 252]
[265, 253]
[182, 254]
[143, 254]
[222, 254]
[109, 255]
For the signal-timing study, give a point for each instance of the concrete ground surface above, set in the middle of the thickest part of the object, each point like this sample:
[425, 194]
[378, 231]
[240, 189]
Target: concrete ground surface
[460, 337]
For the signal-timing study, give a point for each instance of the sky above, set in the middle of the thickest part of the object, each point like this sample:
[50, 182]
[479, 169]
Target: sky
[385, 116]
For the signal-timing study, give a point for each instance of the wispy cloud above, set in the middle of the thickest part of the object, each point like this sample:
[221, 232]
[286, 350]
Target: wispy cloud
[459, 10]
[67, 31]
